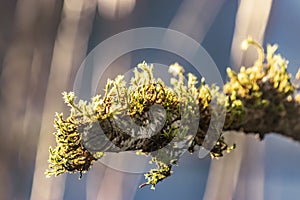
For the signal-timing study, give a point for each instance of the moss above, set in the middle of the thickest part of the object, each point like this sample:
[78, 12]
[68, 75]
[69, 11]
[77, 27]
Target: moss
[157, 175]
[254, 98]
[262, 88]
[69, 155]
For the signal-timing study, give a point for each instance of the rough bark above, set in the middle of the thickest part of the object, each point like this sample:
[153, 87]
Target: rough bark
[261, 99]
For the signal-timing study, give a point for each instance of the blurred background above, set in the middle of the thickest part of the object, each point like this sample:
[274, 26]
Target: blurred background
[42, 45]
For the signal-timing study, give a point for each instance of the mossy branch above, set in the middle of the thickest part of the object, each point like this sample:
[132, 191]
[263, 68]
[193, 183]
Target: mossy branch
[261, 99]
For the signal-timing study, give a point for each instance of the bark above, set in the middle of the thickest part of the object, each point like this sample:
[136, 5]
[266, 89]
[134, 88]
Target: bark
[261, 99]
[262, 122]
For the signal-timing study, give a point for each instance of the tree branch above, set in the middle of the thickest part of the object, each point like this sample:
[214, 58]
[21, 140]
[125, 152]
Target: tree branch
[151, 118]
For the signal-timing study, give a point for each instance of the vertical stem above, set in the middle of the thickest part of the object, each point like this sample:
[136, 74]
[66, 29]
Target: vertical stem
[69, 51]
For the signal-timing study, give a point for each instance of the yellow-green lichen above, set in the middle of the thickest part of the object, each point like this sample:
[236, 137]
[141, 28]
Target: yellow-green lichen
[250, 98]
[69, 155]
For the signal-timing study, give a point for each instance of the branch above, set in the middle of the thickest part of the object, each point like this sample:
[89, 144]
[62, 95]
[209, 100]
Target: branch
[153, 119]
[270, 99]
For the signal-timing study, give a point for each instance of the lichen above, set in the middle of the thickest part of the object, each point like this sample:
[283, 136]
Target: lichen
[69, 155]
[157, 175]
[259, 90]
[253, 98]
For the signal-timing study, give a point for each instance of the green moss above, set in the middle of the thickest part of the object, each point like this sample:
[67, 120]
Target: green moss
[263, 87]
[69, 155]
[157, 175]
